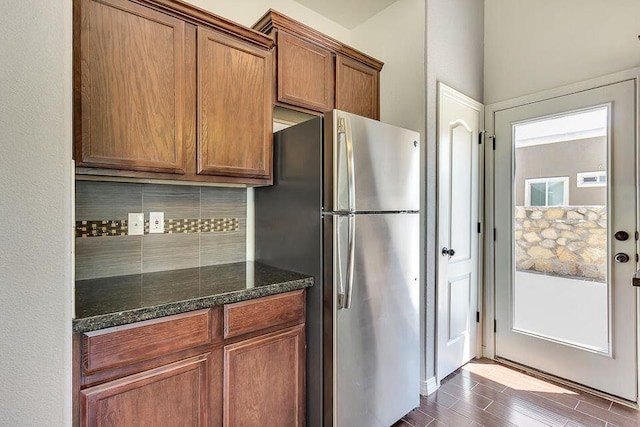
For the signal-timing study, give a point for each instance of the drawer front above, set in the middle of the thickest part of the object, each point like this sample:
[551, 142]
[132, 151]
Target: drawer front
[250, 316]
[121, 345]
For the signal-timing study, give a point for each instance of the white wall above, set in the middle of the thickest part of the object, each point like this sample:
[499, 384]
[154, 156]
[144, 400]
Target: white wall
[531, 46]
[35, 206]
[247, 12]
[454, 56]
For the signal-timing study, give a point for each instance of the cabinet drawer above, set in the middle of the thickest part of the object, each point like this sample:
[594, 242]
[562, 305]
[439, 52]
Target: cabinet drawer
[121, 345]
[250, 316]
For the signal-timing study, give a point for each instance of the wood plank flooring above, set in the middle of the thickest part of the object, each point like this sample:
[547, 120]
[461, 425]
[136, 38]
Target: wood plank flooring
[484, 393]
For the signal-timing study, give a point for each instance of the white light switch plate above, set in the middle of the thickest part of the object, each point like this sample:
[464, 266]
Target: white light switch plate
[135, 225]
[156, 222]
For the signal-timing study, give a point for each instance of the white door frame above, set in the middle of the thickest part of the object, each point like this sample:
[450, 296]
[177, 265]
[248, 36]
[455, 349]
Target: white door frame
[459, 96]
[489, 247]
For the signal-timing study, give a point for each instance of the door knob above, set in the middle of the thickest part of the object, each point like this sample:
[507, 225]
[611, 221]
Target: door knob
[449, 252]
[621, 257]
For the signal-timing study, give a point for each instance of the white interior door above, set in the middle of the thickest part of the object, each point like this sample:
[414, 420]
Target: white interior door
[458, 210]
[565, 185]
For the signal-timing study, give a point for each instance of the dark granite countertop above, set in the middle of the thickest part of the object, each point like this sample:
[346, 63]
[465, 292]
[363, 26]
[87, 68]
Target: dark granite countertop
[114, 301]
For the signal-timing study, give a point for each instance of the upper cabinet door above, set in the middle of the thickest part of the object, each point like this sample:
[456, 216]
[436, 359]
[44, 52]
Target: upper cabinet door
[130, 111]
[357, 88]
[235, 108]
[305, 73]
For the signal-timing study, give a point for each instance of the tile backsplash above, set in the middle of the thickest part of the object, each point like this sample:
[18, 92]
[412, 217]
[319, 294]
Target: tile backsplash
[203, 226]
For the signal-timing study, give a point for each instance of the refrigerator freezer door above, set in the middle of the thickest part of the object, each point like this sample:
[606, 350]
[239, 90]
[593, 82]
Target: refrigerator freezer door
[376, 340]
[376, 164]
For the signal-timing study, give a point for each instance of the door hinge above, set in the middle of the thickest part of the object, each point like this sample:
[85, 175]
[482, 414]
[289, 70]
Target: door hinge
[495, 233]
[637, 235]
[477, 317]
[479, 228]
[637, 258]
[495, 326]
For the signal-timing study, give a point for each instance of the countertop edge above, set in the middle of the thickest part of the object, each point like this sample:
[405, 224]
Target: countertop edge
[103, 321]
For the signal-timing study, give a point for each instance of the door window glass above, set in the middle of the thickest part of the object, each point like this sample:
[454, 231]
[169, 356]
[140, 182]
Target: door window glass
[560, 289]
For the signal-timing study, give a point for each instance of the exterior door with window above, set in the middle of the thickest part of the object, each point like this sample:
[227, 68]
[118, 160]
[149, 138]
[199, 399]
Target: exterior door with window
[565, 253]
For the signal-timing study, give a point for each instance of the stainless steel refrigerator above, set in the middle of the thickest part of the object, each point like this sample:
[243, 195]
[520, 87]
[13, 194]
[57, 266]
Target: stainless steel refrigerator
[344, 208]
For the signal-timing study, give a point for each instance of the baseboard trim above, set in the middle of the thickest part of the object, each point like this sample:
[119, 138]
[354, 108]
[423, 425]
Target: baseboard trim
[429, 386]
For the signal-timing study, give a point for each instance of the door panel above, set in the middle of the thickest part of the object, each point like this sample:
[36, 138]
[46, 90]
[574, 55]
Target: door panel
[171, 395]
[234, 107]
[386, 165]
[556, 280]
[458, 211]
[376, 346]
[459, 299]
[462, 191]
[357, 88]
[131, 112]
[305, 73]
[264, 380]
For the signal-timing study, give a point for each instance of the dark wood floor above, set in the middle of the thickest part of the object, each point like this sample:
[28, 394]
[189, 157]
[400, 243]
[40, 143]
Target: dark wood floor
[484, 393]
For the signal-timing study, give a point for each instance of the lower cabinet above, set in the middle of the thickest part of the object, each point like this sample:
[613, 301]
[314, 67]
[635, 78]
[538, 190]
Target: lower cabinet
[161, 372]
[171, 395]
[264, 380]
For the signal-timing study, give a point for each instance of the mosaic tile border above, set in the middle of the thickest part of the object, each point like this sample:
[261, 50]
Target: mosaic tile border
[115, 227]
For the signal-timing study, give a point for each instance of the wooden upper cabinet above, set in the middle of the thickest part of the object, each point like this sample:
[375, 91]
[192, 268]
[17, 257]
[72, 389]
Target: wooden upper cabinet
[165, 90]
[305, 73]
[234, 107]
[131, 113]
[318, 73]
[357, 88]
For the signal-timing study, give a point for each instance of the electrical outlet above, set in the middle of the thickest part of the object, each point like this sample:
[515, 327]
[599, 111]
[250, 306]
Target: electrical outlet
[135, 225]
[156, 222]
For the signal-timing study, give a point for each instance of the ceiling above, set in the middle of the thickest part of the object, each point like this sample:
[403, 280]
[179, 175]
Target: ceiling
[348, 13]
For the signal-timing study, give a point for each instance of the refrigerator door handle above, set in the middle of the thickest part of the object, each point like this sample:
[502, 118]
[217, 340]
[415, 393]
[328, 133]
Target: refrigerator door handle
[350, 261]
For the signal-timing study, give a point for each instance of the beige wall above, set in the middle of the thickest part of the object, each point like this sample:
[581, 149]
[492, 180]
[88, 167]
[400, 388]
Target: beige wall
[531, 46]
[35, 204]
[247, 12]
[396, 36]
[454, 56]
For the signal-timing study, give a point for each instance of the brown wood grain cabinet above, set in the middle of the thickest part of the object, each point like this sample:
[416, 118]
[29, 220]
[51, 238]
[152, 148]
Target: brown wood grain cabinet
[182, 370]
[305, 73]
[235, 112]
[170, 395]
[264, 380]
[131, 112]
[165, 90]
[357, 88]
[318, 73]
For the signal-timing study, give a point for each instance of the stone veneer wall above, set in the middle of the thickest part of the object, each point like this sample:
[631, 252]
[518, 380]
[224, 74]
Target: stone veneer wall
[568, 241]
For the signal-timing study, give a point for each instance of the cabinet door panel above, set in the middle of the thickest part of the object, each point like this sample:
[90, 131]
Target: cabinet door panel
[305, 73]
[357, 88]
[264, 380]
[131, 112]
[172, 395]
[234, 107]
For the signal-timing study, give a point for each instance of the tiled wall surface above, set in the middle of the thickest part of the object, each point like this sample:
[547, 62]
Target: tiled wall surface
[100, 255]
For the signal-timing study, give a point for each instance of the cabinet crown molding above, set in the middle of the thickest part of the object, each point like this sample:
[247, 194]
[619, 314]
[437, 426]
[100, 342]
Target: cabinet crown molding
[201, 16]
[273, 19]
